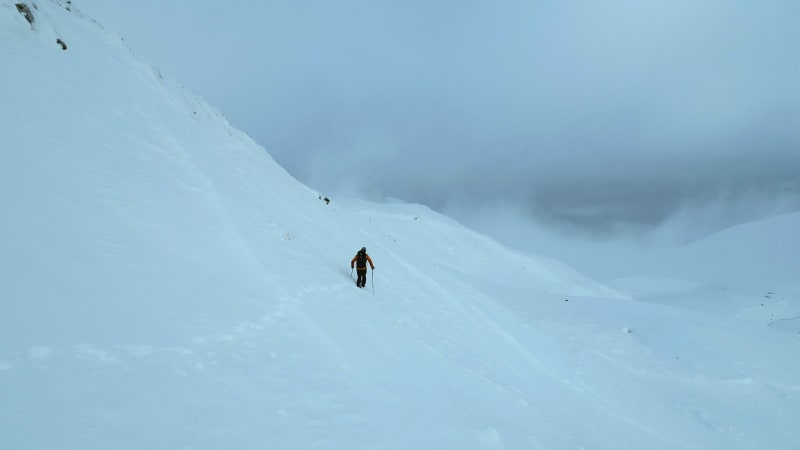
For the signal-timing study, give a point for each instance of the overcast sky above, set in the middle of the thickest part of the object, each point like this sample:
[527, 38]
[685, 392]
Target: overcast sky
[590, 116]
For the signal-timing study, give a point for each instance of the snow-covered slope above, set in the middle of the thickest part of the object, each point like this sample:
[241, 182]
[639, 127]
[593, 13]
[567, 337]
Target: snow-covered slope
[763, 253]
[747, 272]
[167, 285]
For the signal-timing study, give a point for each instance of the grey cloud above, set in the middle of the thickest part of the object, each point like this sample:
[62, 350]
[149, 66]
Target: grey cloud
[589, 115]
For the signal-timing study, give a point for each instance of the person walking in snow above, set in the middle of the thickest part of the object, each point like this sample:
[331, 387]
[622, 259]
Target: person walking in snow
[360, 261]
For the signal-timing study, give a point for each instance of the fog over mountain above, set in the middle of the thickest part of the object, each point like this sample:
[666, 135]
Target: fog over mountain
[597, 120]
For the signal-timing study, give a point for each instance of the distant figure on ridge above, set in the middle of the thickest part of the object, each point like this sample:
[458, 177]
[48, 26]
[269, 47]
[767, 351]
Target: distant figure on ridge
[360, 260]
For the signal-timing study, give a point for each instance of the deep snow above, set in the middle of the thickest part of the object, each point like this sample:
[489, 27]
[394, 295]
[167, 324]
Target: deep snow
[167, 285]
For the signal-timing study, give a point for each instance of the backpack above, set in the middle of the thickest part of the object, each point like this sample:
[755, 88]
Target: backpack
[361, 259]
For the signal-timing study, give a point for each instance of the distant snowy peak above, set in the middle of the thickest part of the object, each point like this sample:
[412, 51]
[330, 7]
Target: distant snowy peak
[772, 233]
[763, 253]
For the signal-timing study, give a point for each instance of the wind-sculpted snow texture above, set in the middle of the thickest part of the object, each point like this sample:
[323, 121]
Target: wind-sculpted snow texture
[166, 285]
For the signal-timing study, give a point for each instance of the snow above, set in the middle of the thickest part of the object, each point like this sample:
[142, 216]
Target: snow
[167, 285]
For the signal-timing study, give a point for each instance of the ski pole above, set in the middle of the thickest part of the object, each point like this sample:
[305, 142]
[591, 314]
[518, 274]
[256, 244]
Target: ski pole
[372, 273]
